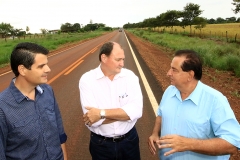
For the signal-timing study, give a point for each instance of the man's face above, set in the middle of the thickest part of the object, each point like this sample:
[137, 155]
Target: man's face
[115, 61]
[39, 71]
[177, 76]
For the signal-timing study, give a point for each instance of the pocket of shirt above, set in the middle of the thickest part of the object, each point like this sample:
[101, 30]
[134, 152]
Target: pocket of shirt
[123, 101]
[25, 121]
[51, 116]
[25, 128]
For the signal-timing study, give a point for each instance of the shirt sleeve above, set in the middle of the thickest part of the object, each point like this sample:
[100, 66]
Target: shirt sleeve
[3, 135]
[135, 103]
[224, 122]
[163, 100]
[87, 98]
[62, 134]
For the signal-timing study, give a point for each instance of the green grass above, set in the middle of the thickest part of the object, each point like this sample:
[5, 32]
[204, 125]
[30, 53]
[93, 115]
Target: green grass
[219, 55]
[51, 42]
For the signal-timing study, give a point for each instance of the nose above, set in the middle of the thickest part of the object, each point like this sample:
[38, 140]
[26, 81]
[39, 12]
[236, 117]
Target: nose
[121, 63]
[47, 69]
[169, 73]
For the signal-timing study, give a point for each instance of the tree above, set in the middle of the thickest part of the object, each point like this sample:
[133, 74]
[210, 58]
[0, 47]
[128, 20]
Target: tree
[101, 25]
[199, 22]
[44, 31]
[231, 19]
[91, 27]
[189, 13]
[170, 18]
[160, 19]
[236, 3]
[238, 20]
[211, 21]
[15, 32]
[21, 33]
[5, 29]
[220, 20]
[67, 27]
[150, 22]
[27, 29]
[76, 27]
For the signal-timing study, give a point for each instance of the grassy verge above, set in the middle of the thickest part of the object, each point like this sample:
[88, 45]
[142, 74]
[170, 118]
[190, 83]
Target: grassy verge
[215, 54]
[49, 41]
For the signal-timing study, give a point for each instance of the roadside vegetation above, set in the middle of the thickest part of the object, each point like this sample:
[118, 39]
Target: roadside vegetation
[229, 32]
[189, 22]
[216, 54]
[49, 41]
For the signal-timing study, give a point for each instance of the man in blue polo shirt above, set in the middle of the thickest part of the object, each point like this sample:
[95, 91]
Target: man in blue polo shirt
[30, 122]
[194, 120]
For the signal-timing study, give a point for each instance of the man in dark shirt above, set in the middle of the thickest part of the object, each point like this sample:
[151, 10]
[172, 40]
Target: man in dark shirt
[30, 122]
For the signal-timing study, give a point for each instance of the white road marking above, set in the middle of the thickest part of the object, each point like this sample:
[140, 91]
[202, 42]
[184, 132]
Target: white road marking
[145, 82]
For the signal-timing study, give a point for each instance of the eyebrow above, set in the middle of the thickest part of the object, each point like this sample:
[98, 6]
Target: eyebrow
[41, 65]
[175, 68]
[120, 58]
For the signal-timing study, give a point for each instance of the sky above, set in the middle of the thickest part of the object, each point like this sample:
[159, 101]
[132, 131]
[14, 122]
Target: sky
[51, 14]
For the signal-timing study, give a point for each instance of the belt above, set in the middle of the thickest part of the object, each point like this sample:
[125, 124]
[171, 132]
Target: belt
[115, 138]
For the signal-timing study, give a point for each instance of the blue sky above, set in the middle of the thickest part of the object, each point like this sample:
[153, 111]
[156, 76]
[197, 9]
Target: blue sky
[50, 14]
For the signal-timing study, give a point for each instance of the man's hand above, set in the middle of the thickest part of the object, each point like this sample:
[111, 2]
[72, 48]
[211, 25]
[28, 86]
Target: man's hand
[176, 142]
[151, 143]
[92, 116]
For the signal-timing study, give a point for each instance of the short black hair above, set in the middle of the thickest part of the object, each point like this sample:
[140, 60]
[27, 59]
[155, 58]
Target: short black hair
[106, 49]
[192, 62]
[24, 54]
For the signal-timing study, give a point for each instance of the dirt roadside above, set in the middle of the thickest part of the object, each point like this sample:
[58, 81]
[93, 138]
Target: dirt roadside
[158, 60]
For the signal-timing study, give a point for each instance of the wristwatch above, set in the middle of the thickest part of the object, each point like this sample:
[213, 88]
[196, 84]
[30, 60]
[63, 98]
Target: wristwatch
[102, 114]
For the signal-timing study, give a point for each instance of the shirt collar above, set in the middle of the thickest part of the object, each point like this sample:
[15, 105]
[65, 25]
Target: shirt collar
[100, 74]
[17, 94]
[194, 96]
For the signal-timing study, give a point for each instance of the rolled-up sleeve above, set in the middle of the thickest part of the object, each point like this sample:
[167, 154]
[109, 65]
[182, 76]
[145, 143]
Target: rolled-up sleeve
[87, 98]
[134, 106]
[3, 135]
[228, 127]
[62, 134]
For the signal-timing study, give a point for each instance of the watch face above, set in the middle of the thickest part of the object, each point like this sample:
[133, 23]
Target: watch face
[102, 113]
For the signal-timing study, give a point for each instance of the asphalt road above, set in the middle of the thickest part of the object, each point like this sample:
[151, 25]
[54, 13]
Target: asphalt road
[66, 69]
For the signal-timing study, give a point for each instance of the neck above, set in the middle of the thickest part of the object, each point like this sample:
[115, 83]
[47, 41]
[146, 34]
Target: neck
[25, 88]
[107, 73]
[188, 89]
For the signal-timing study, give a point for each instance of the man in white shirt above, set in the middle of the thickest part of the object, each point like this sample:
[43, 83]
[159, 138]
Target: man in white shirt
[111, 100]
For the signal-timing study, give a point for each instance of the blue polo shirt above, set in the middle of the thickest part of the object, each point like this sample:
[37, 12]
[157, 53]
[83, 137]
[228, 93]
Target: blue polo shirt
[205, 114]
[30, 129]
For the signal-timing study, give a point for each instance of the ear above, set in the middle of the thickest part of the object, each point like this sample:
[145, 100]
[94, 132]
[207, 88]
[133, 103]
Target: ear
[104, 58]
[21, 70]
[191, 75]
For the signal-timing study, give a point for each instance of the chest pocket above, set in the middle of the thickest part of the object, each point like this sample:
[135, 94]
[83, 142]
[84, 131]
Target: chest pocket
[25, 128]
[51, 116]
[123, 99]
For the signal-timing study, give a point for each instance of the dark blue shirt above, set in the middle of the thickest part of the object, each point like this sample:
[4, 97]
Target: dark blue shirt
[30, 129]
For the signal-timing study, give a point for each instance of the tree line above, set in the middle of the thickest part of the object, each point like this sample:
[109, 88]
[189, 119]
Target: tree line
[187, 17]
[7, 29]
[76, 27]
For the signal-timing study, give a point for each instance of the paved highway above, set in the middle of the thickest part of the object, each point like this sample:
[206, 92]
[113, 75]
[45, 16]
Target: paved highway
[67, 67]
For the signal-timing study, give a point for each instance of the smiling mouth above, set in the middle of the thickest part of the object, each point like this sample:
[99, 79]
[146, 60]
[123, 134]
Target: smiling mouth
[45, 76]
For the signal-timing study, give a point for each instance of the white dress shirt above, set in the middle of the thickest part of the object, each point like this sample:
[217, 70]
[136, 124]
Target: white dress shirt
[97, 90]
